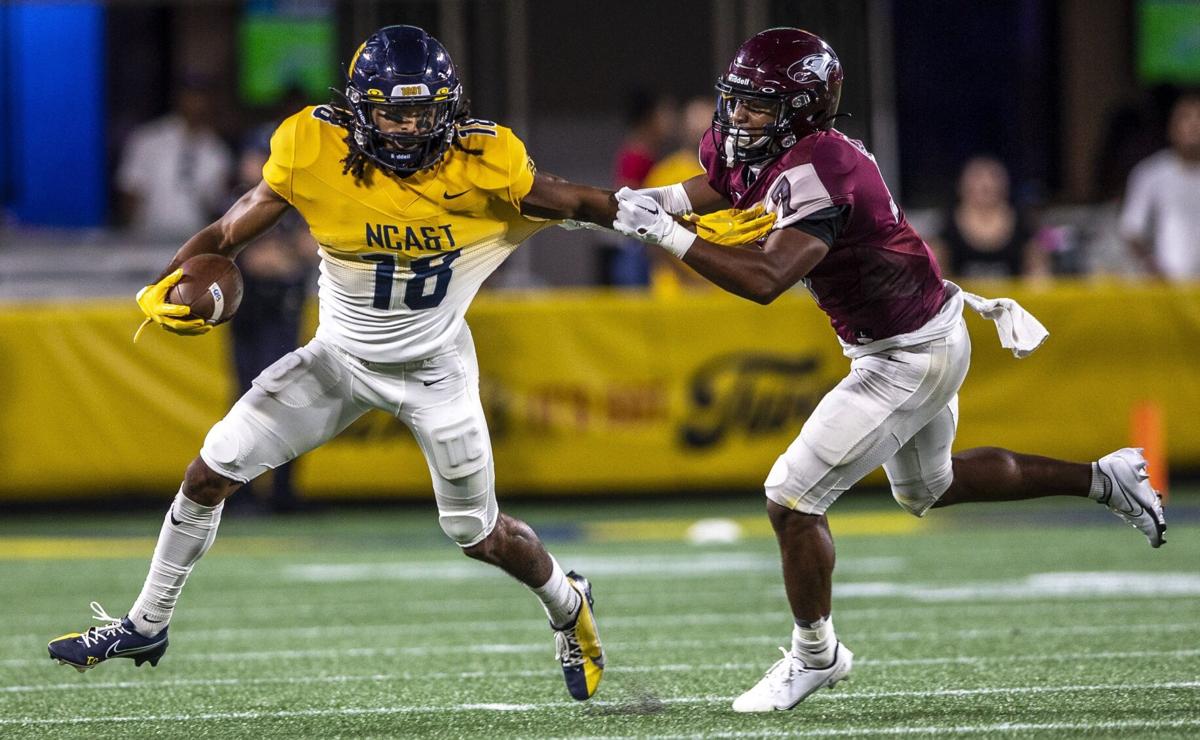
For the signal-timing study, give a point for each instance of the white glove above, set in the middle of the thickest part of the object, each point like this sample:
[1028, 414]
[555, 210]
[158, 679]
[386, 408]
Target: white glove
[640, 216]
[672, 197]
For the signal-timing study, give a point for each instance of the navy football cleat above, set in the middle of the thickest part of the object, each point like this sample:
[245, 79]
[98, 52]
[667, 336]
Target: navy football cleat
[116, 639]
[577, 645]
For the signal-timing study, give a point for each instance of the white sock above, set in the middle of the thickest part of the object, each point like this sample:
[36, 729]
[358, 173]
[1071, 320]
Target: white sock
[1101, 487]
[815, 641]
[560, 599]
[187, 532]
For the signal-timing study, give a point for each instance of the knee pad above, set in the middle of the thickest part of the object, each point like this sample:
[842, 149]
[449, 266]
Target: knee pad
[466, 529]
[792, 488]
[240, 447]
[225, 450]
[920, 495]
[467, 509]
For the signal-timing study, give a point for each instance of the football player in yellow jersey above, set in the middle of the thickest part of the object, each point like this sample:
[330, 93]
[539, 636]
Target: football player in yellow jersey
[413, 204]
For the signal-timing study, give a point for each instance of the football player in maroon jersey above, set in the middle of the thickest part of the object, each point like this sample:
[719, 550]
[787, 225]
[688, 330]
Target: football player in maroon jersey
[839, 232]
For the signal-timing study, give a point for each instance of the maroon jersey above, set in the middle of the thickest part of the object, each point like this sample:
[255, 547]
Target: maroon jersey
[879, 278]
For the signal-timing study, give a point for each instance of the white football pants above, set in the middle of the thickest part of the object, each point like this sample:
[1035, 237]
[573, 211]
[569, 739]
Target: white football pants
[898, 409]
[310, 395]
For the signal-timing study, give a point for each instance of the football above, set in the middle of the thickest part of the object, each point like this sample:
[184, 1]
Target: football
[211, 287]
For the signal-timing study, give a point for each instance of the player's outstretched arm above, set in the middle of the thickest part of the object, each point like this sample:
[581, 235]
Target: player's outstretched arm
[760, 275]
[690, 196]
[554, 197]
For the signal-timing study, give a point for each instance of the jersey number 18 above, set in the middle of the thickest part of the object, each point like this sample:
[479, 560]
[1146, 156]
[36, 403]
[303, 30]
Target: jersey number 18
[417, 291]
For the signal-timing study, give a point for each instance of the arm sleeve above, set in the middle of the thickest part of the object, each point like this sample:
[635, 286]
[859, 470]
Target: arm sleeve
[825, 224]
[278, 170]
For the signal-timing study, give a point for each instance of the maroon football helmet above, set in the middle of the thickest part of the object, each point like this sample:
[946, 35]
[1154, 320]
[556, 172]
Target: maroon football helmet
[787, 71]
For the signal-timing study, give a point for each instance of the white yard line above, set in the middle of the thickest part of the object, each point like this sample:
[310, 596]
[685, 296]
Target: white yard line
[614, 670]
[453, 708]
[411, 629]
[698, 565]
[320, 608]
[997, 727]
[1066, 585]
[539, 647]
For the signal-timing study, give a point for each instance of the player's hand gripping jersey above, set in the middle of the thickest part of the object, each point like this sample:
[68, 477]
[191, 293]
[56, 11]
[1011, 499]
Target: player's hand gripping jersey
[879, 278]
[401, 258]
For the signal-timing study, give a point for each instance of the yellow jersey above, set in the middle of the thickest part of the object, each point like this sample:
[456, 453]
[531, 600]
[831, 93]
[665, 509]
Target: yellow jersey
[681, 165]
[402, 257]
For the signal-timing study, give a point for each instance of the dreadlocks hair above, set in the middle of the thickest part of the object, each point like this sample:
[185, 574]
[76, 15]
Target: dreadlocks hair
[356, 162]
[464, 112]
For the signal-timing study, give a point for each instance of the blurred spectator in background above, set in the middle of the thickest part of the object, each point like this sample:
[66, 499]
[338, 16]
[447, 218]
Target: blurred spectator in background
[985, 235]
[1160, 219]
[1134, 130]
[651, 121]
[277, 270]
[175, 170]
[669, 276]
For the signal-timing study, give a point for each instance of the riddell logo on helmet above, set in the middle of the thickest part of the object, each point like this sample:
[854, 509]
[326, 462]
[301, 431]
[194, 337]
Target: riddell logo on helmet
[739, 80]
[813, 64]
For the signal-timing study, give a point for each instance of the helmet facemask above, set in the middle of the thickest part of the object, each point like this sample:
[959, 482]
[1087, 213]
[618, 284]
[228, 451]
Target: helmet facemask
[403, 133]
[743, 144]
[790, 113]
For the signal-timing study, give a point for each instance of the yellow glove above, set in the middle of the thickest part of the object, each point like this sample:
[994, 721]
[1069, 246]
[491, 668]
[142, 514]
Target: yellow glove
[152, 299]
[732, 227]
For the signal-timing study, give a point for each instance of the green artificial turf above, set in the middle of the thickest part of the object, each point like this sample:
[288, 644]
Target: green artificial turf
[1042, 619]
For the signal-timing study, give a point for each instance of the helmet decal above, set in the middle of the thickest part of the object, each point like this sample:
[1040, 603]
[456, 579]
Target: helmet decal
[408, 91]
[813, 64]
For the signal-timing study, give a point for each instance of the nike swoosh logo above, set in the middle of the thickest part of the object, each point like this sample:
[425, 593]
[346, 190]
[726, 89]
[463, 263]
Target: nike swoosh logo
[1131, 511]
[112, 651]
[152, 621]
[174, 521]
[448, 196]
[647, 210]
[428, 383]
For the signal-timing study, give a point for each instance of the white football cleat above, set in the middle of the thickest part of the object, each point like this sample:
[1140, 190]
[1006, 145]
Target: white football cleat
[790, 681]
[1130, 495]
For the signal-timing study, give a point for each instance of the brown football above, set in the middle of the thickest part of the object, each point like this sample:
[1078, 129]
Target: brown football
[211, 287]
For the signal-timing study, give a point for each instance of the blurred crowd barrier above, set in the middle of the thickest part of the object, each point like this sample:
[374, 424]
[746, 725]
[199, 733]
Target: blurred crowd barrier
[592, 392]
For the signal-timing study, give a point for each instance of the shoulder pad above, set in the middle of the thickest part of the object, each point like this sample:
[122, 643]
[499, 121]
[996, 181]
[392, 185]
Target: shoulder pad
[836, 154]
[478, 127]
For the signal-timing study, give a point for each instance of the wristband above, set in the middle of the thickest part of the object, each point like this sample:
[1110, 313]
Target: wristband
[677, 240]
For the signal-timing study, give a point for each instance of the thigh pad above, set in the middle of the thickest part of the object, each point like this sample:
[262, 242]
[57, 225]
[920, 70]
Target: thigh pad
[300, 377]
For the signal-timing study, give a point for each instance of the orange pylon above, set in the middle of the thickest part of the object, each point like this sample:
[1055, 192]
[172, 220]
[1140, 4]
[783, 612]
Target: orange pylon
[1148, 429]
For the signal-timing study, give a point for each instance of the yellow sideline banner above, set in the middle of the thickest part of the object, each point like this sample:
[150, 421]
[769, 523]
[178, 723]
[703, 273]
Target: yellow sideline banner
[591, 391]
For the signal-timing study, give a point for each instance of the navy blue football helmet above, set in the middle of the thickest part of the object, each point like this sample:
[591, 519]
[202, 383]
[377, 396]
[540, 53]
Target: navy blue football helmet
[403, 75]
